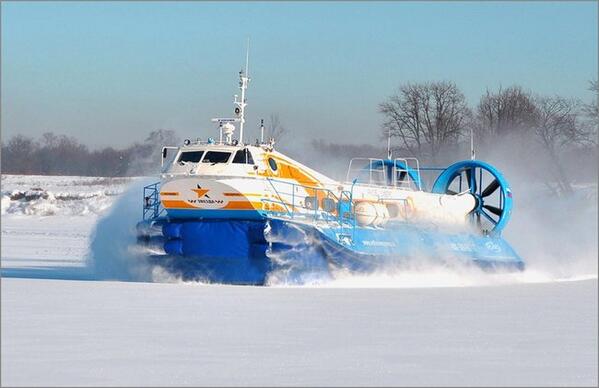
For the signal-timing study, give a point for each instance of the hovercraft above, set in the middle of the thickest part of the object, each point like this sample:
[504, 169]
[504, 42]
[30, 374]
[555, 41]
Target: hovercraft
[229, 212]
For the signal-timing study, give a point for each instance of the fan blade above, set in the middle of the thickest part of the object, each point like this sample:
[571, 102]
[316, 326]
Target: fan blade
[495, 210]
[471, 180]
[450, 192]
[491, 188]
[478, 220]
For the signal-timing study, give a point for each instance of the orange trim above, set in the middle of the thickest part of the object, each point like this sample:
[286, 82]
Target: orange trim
[176, 204]
[236, 205]
[165, 193]
[242, 195]
[243, 205]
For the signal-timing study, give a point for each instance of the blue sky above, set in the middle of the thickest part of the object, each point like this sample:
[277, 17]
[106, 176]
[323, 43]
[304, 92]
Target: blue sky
[110, 72]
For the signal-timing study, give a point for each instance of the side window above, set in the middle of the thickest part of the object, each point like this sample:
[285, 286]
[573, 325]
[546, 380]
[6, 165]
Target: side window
[191, 156]
[243, 157]
[216, 157]
[273, 164]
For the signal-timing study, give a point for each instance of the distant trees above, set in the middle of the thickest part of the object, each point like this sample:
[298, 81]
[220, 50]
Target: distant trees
[505, 112]
[274, 128]
[20, 151]
[556, 128]
[591, 110]
[145, 157]
[63, 155]
[425, 116]
[535, 132]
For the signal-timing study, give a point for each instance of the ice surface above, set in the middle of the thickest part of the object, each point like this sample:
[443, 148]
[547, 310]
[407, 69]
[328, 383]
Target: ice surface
[117, 333]
[423, 326]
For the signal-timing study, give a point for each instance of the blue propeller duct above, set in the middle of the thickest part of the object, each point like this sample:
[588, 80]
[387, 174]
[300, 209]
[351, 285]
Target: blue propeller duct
[488, 186]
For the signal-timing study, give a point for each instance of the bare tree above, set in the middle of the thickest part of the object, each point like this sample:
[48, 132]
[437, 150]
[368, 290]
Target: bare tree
[145, 158]
[275, 129]
[425, 116]
[591, 111]
[18, 156]
[506, 112]
[556, 129]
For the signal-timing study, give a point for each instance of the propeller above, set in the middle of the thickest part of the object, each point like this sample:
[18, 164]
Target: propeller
[471, 180]
[491, 188]
[495, 210]
[484, 183]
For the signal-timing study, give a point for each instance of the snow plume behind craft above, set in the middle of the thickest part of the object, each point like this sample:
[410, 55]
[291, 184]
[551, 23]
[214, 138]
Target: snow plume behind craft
[554, 232]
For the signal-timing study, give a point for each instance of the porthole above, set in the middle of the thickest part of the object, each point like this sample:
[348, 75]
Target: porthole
[273, 164]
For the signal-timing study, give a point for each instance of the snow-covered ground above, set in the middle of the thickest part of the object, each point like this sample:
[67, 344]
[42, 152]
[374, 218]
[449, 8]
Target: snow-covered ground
[70, 317]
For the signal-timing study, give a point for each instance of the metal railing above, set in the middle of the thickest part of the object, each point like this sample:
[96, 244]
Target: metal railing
[378, 172]
[310, 203]
[151, 203]
[407, 171]
[318, 204]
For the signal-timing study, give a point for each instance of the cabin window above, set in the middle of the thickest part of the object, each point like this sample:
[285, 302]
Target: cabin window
[216, 157]
[243, 157]
[273, 164]
[191, 156]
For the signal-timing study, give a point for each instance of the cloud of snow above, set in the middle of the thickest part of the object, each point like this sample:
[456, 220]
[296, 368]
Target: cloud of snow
[114, 253]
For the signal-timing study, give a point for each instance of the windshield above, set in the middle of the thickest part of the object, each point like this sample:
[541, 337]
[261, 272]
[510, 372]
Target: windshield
[191, 156]
[216, 157]
[243, 157]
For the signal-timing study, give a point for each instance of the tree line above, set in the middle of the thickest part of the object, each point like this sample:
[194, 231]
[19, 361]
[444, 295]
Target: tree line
[64, 155]
[53, 154]
[541, 135]
[432, 121]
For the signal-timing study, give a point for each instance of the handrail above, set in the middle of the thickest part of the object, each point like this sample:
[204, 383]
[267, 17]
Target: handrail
[324, 214]
[379, 176]
[151, 202]
[280, 199]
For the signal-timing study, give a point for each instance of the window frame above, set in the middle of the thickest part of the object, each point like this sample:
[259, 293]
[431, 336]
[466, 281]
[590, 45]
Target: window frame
[219, 152]
[248, 157]
[191, 152]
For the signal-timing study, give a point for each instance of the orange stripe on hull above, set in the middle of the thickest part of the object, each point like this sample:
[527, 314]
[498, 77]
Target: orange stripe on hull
[243, 205]
[171, 203]
[242, 195]
[233, 205]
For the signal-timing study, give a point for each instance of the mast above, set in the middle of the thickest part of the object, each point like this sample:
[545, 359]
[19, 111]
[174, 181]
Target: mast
[243, 85]
[240, 104]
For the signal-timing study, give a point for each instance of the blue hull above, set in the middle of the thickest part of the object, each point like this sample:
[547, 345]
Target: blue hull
[249, 251]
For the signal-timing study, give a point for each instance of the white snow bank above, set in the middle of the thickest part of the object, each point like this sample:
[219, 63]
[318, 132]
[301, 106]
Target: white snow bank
[52, 195]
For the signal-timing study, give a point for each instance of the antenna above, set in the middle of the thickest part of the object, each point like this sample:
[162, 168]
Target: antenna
[261, 131]
[472, 152]
[247, 58]
[243, 85]
[389, 144]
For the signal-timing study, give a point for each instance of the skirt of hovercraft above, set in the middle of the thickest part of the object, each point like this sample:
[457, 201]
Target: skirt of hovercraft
[254, 251]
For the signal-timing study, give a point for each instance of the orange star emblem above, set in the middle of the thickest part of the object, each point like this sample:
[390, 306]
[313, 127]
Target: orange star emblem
[200, 192]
